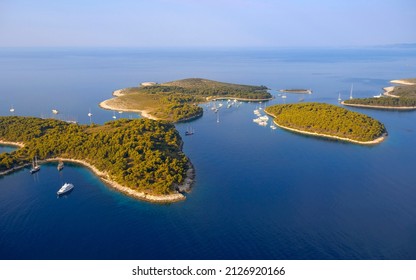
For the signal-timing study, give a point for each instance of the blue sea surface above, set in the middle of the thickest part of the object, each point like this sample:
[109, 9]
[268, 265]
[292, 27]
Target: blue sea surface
[259, 193]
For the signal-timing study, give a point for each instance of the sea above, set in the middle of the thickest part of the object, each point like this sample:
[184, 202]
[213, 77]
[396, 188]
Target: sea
[259, 193]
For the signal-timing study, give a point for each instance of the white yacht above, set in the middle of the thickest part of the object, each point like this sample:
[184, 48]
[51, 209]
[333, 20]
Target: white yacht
[65, 188]
[35, 166]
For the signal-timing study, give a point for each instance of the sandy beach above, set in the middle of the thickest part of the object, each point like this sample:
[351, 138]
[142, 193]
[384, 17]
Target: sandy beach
[109, 105]
[402, 82]
[388, 90]
[373, 142]
[17, 144]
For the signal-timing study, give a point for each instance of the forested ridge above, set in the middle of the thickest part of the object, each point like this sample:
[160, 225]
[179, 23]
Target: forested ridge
[204, 87]
[383, 101]
[327, 119]
[140, 154]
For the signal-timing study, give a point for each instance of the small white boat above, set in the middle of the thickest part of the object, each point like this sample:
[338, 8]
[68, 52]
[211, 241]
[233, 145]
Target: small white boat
[55, 112]
[65, 188]
[60, 166]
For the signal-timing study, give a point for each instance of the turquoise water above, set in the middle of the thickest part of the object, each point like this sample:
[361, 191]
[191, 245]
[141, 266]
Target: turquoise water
[259, 193]
[6, 149]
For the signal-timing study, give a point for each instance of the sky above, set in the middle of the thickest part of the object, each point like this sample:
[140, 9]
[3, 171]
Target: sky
[201, 23]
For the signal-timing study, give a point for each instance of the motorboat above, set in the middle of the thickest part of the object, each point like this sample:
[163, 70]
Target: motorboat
[65, 188]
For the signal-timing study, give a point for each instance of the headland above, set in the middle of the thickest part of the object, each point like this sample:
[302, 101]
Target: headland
[399, 97]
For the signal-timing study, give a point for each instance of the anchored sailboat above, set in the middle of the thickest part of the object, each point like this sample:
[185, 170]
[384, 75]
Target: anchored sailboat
[189, 131]
[352, 86]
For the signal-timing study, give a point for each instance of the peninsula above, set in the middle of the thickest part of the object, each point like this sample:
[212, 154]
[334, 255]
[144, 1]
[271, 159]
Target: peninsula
[401, 97]
[178, 100]
[142, 158]
[329, 121]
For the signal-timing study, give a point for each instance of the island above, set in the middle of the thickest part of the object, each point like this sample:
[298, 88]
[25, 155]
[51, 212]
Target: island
[178, 100]
[297, 90]
[142, 158]
[402, 97]
[329, 121]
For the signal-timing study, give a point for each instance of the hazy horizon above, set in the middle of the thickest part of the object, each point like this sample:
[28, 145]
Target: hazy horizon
[206, 24]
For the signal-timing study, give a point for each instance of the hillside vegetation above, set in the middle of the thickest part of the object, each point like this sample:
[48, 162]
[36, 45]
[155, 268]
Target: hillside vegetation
[140, 154]
[328, 120]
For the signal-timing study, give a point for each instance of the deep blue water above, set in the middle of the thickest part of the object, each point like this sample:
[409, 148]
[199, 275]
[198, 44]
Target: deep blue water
[259, 193]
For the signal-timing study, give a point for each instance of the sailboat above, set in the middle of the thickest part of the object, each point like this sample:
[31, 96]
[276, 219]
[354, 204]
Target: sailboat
[339, 97]
[11, 109]
[352, 86]
[189, 131]
[218, 117]
[114, 115]
[35, 166]
[90, 115]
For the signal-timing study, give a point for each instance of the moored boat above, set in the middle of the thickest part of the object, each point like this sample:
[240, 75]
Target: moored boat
[65, 188]
[35, 166]
[60, 166]
[189, 131]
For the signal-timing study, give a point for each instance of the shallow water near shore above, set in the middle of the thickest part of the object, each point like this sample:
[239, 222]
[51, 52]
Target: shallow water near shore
[259, 193]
